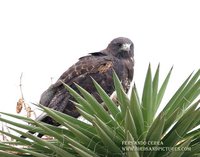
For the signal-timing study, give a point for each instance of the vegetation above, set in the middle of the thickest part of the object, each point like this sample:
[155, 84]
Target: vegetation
[131, 130]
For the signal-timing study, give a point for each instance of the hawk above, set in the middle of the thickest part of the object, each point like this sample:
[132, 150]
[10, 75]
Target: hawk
[118, 56]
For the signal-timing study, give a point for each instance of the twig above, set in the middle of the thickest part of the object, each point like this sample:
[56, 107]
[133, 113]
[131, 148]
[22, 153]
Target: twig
[21, 102]
[20, 85]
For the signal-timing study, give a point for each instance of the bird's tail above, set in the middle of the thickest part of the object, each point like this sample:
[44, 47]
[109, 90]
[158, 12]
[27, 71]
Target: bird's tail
[57, 102]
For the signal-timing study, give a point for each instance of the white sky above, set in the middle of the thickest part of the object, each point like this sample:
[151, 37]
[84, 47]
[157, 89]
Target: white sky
[42, 38]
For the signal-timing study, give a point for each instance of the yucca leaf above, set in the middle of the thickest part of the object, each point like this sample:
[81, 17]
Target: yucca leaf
[172, 119]
[190, 111]
[89, 142]
[131, 150]
[180, 153]
[137, 95]
[96, 106]
[155, 133]
[29, 120]
[195, 144]
[111, 132]
[63, 118]
[190, 96]
[81, 126]
[155, 88]
[85, 115]
[51, 147]
[51, 132]
[86, 132]
[178, 131]
[176, 115]
[4, 154]
[193, 133]
[70, 120]
[193, 80]
[21, 152]
[85, 148]
[26, 119]
[182, 96]
[121, 95]
[59, 116]
[130, 124]
[24, 142]
[74, 121]
[23, 126]
[107, 141]
[75, 144]
[83, 153]
[58, 130]
[162, 91]
[177, 94]
[112, 107]
[194, 152]
[136, 112]
[86, 106]
[147, 108]
[176, 126]
[82, 137]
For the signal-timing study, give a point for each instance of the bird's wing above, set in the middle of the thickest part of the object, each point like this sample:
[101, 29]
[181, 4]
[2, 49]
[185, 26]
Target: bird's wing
[96, 62]
[76, 73]
[94, 54]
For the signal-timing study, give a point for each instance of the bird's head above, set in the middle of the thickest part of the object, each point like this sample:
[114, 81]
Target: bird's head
[121, 48]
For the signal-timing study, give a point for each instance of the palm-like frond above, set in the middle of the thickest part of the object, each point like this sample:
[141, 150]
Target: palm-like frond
[131, 130]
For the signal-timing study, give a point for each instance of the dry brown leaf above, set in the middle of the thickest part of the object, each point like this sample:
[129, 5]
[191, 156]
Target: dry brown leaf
[19, 106]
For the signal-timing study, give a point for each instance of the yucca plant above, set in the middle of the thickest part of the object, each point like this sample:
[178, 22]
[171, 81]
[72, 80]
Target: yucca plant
[132, 129]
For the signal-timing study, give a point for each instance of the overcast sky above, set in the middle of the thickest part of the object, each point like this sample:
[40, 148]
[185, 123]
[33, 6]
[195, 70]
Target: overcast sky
[42, 38]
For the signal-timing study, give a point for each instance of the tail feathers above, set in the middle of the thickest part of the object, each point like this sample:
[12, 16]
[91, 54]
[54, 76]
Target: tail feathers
[54, 99]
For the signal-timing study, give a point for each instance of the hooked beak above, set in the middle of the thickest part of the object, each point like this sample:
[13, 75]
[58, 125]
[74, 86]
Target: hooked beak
[126, 47]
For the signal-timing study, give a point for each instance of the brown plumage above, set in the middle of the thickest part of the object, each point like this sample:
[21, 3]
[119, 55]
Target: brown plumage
[99, 65]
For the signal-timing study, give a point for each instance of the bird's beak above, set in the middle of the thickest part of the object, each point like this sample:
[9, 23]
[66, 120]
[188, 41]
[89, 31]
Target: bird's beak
[126, 47]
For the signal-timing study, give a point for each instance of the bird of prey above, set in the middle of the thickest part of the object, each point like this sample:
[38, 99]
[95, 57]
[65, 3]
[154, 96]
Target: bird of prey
[118, 56]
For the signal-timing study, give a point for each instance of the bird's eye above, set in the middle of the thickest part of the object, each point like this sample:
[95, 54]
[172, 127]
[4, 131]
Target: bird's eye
[119, 44]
